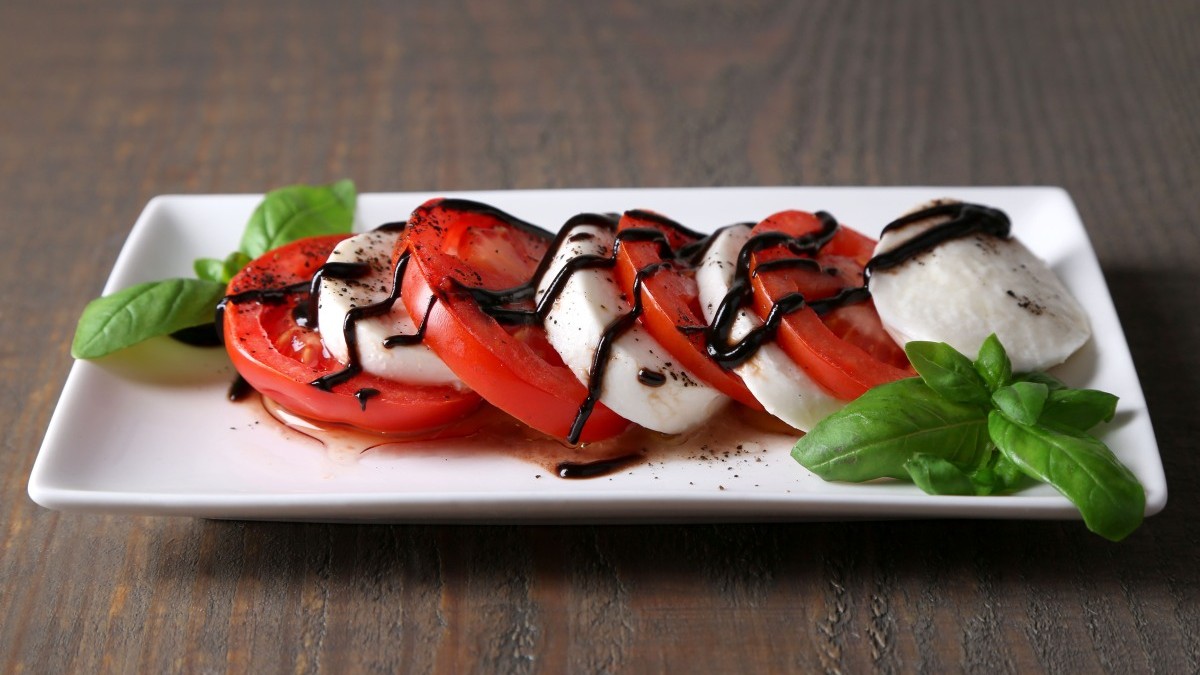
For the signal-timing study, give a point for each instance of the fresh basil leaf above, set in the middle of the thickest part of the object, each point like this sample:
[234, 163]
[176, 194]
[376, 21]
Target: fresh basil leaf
[1078, 409]
[1022, 401]
[299, 211]
[997, 475]
[993, 364]
[947, 372]
[1083, 469]
[144, 311]
[221, 271]
[209, 269]
[936, 476]
[874, 435]
[346, 193]
[1052, 383]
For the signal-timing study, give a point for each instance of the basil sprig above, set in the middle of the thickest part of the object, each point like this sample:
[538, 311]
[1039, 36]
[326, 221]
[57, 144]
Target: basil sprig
[155, 308]
[974, 428]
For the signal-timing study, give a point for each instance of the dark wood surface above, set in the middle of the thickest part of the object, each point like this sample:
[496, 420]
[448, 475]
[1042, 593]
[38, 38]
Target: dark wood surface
[103, 105]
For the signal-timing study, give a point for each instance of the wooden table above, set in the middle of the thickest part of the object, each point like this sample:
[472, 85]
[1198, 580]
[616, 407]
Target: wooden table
[104, 105]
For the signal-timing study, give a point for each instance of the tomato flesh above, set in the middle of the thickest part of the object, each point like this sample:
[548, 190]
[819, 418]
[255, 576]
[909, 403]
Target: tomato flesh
[455, 246]
[847, 350]
[280, 357]
[671, 310]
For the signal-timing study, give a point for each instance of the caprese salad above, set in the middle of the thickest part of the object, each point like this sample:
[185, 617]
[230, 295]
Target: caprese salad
[624, 319]
[633, 319]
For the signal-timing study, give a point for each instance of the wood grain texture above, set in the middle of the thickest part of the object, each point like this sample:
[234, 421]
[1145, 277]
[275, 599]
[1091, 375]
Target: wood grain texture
[103, 105]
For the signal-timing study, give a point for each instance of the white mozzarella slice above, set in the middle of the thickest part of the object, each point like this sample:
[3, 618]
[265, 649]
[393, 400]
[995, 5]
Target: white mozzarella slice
[416, 363]
[968, 288]
[781, 386]
[590, 300]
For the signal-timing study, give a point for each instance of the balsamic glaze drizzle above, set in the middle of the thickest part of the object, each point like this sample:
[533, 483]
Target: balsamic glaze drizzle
[717, 334]
[651, 378]
[239, 389]
[608, 337]
[356, 314]
[965, 219]
[600, 467]
[364, 394]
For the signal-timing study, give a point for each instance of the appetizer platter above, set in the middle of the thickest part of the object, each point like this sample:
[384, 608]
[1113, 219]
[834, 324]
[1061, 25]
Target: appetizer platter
[641, 354]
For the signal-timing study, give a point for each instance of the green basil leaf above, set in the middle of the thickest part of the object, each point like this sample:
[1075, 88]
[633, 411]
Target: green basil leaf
[346, 193]
[220, 271]
[993, 364]
[936, 476]
[874, 435]
[234, 262]
[1052, 383]
[1083, 469]
[947, 372]
[144, 311]
[209, 269]
[1022, 401]
[1078, 409]
[299, 211]
[998, 475]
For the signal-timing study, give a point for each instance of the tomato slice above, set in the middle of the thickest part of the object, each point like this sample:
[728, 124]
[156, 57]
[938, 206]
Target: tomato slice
[671, 309]
[280, 357]
[460, 250]
[846, 350]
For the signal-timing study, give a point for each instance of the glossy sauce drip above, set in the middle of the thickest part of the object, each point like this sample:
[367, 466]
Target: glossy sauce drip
[239, 389]
[417, 337]
[965, 219]
[365, 394]
[601, 467]
[651, 378]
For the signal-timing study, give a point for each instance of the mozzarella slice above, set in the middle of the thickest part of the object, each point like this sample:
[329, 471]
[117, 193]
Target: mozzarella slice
[406, 363]
[781, 386]
[588, 302]
[968, 288]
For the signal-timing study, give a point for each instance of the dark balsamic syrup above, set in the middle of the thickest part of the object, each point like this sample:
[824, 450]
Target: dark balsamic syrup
[717, 336]
[965, 219]
[239, 389]
[365, 394]
[595, 469]
[651, 378]
[349, 325]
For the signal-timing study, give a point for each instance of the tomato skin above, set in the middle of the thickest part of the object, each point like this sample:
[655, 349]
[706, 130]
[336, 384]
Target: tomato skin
[847, 351]
[512, 366]
[670, 300]
[280, 358]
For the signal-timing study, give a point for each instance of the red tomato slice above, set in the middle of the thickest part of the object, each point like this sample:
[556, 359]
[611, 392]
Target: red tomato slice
[456, 246]
[847, 350]
[280, 358]
[670, 301]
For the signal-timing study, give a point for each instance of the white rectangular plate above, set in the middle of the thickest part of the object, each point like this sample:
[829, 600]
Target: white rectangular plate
[150, 431]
